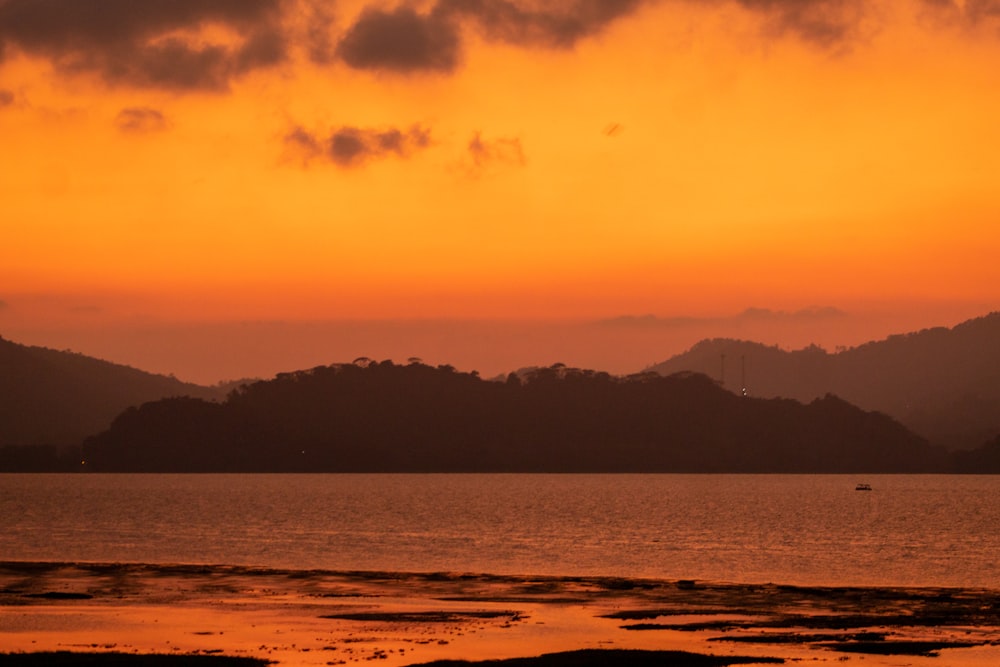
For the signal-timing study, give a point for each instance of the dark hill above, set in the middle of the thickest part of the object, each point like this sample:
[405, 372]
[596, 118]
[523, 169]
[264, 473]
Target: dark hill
[415, 418]
[57, 398]
[942, 383]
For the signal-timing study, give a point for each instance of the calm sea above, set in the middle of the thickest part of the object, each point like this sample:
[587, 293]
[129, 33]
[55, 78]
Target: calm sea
[922, 530]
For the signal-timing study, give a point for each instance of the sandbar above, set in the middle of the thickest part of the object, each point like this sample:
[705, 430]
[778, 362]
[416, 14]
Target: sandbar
[305, 618]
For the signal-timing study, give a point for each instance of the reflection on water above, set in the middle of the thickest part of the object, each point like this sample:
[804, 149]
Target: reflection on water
[929, 530]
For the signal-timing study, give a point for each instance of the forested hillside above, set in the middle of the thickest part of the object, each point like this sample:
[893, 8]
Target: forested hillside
[941, 383]
[388, 417]
[55, 399]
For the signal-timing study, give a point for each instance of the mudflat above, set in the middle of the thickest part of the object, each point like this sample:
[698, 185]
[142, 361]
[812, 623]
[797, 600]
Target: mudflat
[136, 614]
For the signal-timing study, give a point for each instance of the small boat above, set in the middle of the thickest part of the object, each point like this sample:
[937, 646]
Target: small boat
[863, 487]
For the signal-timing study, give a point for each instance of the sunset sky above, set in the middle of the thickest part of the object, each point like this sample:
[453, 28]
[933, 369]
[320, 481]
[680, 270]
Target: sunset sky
[225, 188]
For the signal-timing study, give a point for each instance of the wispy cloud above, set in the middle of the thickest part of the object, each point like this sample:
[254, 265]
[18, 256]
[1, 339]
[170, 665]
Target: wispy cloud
[982, 10]
[972, 12]
[813, 314]
[316, 38]
[504, 150]
[140, 120]
[824, 23]
[350, 146]
[554, 24]
[833, 23]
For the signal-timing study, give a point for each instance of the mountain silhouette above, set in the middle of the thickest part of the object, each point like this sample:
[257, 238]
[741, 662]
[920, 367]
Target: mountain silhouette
[943, 384]
[55, 399]
[384, 417]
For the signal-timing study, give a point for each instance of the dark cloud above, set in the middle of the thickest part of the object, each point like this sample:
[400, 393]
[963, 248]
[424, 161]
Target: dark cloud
[6, 98]
[974, 14]
[160, 43]
[405, 41]
[347, 146]
[141, 120]
[264, 48]
[553, 23]
[982, 10]
[505, 150]
[834, 24]
[350, 147]
[143, 43]
[825, 23]
[402, 41]
[563, 23]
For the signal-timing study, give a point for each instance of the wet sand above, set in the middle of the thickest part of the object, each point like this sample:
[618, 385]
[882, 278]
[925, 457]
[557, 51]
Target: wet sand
[307, 618]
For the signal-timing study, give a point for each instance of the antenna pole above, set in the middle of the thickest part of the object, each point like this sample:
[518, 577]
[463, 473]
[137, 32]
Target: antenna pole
[743, 373]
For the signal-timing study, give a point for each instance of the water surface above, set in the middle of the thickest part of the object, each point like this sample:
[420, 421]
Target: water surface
[921, 530]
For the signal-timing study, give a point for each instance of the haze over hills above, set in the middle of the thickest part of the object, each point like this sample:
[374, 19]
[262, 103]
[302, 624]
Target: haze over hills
[942, 383]
[49, 397]
[382, 416]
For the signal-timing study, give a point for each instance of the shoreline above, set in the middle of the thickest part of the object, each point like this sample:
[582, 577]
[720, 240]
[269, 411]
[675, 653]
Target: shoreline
[303, 618]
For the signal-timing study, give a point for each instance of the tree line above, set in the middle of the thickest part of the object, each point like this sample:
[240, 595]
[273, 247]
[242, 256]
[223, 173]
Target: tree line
[385, 417]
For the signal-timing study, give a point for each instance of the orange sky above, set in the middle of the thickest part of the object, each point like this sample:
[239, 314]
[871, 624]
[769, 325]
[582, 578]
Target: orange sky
[208, 162]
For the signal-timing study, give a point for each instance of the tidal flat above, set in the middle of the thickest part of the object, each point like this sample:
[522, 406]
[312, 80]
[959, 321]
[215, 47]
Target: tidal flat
[136, 614]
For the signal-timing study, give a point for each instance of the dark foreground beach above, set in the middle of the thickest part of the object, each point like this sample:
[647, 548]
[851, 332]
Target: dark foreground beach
[218, 616]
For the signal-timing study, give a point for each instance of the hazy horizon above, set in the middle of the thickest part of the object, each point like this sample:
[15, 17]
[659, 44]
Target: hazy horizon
[210, 352]
[174, 170]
